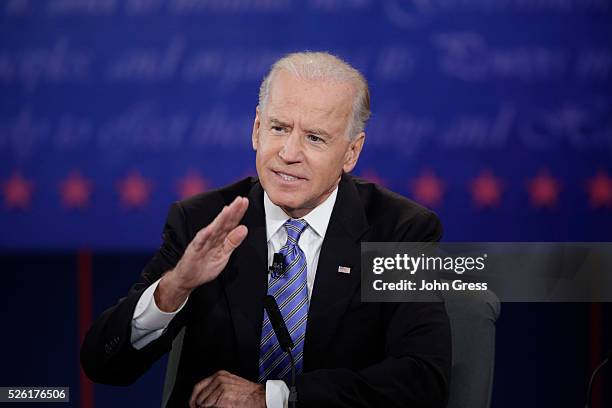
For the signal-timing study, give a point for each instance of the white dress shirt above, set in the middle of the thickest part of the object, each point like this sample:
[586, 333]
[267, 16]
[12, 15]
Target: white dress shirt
[149, 322]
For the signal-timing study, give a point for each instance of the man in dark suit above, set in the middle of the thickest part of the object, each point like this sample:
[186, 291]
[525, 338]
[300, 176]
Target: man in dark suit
[210, 275]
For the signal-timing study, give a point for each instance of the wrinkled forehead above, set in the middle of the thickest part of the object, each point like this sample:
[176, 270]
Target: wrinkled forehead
[318, 99]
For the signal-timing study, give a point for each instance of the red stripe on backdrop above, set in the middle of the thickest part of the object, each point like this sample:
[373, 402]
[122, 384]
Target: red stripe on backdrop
[85, 286]
[595, 355]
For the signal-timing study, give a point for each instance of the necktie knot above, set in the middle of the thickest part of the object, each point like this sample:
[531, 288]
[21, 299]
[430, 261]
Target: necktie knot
[294, 228]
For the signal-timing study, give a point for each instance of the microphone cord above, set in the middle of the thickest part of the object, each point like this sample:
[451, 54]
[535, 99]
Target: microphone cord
[292, 391]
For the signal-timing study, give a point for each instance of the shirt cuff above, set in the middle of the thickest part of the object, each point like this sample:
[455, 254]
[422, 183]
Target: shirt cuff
[149, 322]
[277, 394]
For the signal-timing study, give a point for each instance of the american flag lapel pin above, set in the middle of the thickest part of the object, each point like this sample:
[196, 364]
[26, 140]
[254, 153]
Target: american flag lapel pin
[344, 269]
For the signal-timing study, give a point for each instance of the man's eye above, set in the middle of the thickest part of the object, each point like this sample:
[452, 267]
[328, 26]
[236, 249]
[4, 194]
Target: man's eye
[315, 139]
[278, 129]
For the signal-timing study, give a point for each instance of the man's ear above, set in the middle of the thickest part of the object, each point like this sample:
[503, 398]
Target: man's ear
[256, 127]
[352, 154]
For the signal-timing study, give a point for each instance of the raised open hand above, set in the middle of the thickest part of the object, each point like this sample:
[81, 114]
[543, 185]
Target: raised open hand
[205, 257]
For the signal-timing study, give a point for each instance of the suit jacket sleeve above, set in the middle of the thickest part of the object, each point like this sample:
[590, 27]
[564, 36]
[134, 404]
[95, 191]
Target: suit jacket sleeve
[107, 355]
[416, 369]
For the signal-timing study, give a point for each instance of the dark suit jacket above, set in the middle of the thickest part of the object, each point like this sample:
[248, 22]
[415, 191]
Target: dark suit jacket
[355, 354]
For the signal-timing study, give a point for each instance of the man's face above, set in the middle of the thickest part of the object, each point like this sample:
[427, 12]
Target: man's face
[301, 143]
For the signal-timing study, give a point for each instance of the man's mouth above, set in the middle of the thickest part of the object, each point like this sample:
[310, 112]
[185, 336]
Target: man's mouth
[287, 177]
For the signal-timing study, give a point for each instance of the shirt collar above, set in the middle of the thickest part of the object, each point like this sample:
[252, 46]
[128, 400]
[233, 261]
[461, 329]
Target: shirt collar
[317, 219]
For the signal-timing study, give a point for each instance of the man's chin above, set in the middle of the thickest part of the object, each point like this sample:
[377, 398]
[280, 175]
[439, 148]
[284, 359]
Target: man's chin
[292, 207]
[286, 204]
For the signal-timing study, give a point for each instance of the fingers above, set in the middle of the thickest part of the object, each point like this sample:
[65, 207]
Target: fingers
[231, 214]
[200, 239]
[234, 238]
[216, 232]
[213, 398]
[213, 387]
[197, 389]
[208, 233]
[235, 212]
[207, 392]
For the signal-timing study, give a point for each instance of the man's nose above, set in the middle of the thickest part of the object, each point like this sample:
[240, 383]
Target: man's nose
[291, 151]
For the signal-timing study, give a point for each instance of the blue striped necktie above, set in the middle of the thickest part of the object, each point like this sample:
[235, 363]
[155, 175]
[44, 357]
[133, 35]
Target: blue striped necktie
[291, 294]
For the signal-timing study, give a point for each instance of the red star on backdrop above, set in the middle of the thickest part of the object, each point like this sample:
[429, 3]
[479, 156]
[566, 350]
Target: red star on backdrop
[75, 191]
[486, 190]
[372, 175]
[543, 190]
[600, 190]
[134, 190]
[191, 185]
[17, 192]
[427, 188]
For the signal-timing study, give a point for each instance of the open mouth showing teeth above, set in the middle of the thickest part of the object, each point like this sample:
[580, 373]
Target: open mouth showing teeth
[287, 177]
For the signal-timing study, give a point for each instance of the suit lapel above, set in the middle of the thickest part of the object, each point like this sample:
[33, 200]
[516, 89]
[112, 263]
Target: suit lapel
[333, 290]
[245, 282]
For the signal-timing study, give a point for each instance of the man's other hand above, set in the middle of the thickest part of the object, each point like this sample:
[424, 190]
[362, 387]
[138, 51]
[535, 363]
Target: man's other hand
[224, 389]
[205, 257]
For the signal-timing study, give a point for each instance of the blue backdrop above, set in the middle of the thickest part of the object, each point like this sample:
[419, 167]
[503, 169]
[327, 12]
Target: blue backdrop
[495, 113]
